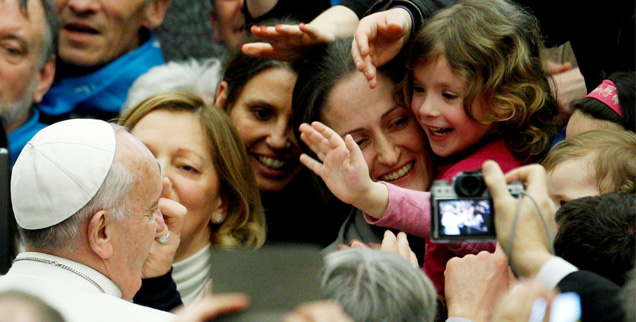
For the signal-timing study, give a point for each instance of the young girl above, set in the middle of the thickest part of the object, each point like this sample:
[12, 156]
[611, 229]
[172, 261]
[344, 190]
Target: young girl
[476, 84]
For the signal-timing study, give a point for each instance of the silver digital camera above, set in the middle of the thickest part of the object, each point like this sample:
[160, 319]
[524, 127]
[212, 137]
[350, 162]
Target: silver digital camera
[463, 210]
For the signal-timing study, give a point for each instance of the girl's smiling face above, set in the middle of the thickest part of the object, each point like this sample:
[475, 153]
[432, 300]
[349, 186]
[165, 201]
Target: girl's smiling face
[438, 103]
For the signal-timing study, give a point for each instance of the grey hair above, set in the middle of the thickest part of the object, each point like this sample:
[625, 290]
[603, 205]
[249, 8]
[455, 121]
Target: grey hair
[378, 286]
[51, 32]
[200, 78]
[111, 196]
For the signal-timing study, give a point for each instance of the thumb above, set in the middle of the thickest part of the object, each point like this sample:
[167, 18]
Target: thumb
[495, 180]
[392, 30]
[168, 192]
[499, 253]
[354, 151]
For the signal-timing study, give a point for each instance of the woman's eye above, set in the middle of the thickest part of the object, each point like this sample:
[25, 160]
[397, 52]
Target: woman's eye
[361, 142]
[400, 122]
[262, 113]
[418, 89]
[188, 168]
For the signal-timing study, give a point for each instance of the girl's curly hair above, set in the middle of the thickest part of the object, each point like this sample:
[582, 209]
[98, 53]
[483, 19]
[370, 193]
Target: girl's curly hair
[495, 47]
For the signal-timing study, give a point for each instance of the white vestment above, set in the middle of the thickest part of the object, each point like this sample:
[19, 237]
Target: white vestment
[59, 282]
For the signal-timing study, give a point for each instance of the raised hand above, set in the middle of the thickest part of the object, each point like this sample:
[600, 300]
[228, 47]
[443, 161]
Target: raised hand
[475, 283]
[378, 39]
[284, 42]
[343, 169]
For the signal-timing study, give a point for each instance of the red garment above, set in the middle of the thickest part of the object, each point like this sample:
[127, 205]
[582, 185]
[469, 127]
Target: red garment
[410, 210]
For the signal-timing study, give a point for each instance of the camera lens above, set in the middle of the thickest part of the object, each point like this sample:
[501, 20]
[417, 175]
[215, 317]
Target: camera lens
[469, 185]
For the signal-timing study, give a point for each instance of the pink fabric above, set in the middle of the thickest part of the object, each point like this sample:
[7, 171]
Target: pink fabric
[410, 210]
[608, 94]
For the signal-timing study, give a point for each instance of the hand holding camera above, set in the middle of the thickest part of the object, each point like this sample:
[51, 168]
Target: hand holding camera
[463, 210]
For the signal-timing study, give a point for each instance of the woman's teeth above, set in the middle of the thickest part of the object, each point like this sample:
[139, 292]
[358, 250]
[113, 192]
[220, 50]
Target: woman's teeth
[399, 173]
[439, 131]
[272, 163]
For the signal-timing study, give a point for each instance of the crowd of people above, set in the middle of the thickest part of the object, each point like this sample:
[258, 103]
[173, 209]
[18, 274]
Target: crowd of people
[320, 123]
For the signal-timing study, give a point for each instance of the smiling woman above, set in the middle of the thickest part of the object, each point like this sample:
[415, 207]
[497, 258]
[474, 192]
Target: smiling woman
[202, 155]
[261, 113]
[332, 91]
[256, 93]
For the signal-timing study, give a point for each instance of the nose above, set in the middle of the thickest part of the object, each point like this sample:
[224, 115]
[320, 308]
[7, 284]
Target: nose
[83, 6]
[388, 153]
[281, 136]
[426, 109]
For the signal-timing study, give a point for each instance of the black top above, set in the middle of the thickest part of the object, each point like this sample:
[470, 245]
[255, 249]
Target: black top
[600, 298]
[159, 293]
[360, 7]
[303, 214]
[419, 9]
[301, 11]
[602, 34]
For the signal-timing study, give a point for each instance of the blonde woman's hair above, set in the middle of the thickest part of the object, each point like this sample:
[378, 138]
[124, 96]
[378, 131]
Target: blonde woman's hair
[244, 224]
[611, 154]
[495, 47]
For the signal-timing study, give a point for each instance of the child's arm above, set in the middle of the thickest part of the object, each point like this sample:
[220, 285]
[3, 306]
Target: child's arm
[343, 169]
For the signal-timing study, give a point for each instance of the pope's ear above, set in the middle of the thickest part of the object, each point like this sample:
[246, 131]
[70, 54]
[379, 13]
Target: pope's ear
[100, 230]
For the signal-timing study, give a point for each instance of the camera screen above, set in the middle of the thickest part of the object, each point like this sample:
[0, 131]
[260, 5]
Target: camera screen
[465, 217]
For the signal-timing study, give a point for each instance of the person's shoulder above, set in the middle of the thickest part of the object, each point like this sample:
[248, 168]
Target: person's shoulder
[111, 308]
[600, 297]
[499, 152]
[496, 150]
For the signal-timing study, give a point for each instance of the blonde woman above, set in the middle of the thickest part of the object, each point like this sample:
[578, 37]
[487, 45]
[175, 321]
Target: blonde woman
[206, 162]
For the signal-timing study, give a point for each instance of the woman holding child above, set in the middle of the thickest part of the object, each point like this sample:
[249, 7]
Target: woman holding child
[329, 89]
[476, 84]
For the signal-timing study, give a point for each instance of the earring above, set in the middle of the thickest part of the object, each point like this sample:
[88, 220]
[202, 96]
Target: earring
[217, 219]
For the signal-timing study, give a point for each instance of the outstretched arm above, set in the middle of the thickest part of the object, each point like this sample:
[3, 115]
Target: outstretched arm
[287, 42]
[378, 39]
[343, 169]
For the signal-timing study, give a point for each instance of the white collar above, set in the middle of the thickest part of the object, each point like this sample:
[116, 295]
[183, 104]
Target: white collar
[38, 261]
